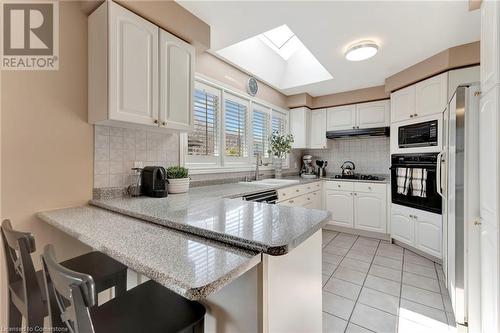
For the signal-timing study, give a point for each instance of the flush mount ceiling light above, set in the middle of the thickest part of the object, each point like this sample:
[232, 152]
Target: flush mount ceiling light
[361, 51]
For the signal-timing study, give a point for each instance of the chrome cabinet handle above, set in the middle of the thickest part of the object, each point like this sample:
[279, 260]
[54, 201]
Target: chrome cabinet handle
[155, 121]
[296, 190]
[415, 114]
[290, 201]
[369, 187]
[164, 123]
[411, 116]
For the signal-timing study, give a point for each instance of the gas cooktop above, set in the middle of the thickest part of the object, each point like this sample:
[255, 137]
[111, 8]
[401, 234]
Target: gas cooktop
[358, 176]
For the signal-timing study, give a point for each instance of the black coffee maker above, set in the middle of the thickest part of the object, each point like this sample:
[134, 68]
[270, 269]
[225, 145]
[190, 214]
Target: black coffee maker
[153, 181]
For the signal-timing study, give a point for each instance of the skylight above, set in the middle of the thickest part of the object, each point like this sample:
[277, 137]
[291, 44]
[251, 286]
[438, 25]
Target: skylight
[277, 57]
[282, 41]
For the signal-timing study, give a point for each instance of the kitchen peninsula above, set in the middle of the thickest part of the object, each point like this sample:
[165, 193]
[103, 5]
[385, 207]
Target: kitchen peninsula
[255, 266]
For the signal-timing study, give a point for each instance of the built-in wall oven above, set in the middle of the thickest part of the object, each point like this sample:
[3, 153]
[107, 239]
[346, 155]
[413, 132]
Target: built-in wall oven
[414, 179]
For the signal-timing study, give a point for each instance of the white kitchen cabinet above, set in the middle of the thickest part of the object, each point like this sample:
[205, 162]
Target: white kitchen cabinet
[490, 44]
[300, 122]
[417, 228]
[317, 131]
[431, 95]
[370, 211]
[402, 226]
[341, 205]
[138, 76]
[428, 233]
[403, 104]
[176, 82]
[341, 117]
[373, 114]
[306, 195]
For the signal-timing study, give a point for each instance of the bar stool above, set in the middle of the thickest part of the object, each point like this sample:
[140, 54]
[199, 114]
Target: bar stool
[148, 307]
[27, 295]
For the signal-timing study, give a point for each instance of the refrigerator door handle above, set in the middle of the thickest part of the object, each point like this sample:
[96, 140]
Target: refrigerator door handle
[439, 189]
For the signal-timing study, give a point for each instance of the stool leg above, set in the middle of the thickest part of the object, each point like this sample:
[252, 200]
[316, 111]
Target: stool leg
[121, 284]
[200, 326]
[15, 317]
[35, 322]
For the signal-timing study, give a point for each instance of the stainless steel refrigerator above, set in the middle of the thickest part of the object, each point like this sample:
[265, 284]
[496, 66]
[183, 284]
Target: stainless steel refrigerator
[458, 168]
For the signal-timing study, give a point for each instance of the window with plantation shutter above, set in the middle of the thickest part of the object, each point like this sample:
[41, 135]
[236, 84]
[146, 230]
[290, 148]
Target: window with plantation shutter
[279, 123]
[203, 141]
[235, 126]
[260, 131]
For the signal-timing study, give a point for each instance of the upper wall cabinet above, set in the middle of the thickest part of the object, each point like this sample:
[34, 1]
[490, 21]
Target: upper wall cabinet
[176, 82]
[363, 115]
[138, 73]
[422, 99]
[431, 95]
[490, 45]
[300, 123]
[403, 104]
[373, 114]
[341, 118]
[317, 132]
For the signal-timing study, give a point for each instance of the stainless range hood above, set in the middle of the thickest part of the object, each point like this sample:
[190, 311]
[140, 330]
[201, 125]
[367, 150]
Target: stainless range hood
[377, 131]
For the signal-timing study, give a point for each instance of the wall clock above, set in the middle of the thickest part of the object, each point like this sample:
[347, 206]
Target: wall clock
[252, 86]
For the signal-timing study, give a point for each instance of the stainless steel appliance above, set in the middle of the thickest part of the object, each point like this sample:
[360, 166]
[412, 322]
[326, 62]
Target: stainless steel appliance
[270, 196]
[432, 201]
[377, 131]
[460, 191]
[308, 170]
[321, 168]
[424, 134]
[348, 168]
[153, 182]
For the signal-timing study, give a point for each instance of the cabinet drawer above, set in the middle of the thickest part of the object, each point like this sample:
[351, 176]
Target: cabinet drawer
[339, 186]
[370, 188]
[290, 192]
[295, 202]
[307, 188]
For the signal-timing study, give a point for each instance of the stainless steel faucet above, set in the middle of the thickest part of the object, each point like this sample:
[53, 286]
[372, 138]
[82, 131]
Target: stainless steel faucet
[258, 162]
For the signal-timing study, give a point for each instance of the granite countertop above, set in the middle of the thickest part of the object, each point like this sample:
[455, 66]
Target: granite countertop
[190, 266]
[271, 229]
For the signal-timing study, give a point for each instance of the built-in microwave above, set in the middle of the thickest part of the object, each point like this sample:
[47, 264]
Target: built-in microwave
[417, 135]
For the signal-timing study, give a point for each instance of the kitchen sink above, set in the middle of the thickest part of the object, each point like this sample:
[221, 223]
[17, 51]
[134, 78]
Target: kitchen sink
[273, 182]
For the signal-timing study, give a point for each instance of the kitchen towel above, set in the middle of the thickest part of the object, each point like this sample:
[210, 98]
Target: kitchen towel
[403, 180]
[419, 182]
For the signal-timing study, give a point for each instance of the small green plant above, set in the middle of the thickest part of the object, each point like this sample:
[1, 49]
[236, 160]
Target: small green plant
[176, 172]
[281, 144]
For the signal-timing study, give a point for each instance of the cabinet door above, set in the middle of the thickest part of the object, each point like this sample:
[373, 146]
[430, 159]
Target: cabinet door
[490, 45]
[373, 114]
[403, 104]
[428, 233]
[341, 205]
[431, 95]
[341, 117]
[176, 82]
[299, 124]
[133, 67]
[370, 211]
[402, 226]
[317, 132]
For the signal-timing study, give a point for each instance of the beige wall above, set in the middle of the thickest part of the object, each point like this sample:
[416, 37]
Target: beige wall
[46, 142]
[221, 71]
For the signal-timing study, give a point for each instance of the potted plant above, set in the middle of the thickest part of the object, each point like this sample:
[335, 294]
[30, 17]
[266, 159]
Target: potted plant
[177, 179]
[281, 144]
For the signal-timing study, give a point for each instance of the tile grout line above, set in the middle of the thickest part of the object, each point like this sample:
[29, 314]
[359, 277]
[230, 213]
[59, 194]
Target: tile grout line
[330, 276]
[343, 257]
[401, 289]
[362, 286]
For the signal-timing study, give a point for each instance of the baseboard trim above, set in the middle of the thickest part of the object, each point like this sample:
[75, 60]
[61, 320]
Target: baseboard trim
[417, 251]
[353, 231]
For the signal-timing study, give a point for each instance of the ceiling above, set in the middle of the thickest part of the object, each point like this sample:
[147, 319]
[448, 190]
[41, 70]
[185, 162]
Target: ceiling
[406, 31]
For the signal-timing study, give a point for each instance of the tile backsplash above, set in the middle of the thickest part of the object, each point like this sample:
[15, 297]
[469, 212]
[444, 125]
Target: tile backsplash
[116, 149]
[369, 154]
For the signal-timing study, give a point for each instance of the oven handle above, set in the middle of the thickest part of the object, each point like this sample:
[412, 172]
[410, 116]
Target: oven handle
[439, 189]
[421, 166]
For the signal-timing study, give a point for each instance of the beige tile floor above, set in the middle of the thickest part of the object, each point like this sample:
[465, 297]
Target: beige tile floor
[374, 286]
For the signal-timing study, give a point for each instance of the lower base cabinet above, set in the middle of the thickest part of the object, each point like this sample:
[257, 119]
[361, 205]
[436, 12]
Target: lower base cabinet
[357, 205]
[307, 195]
[420, 229]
